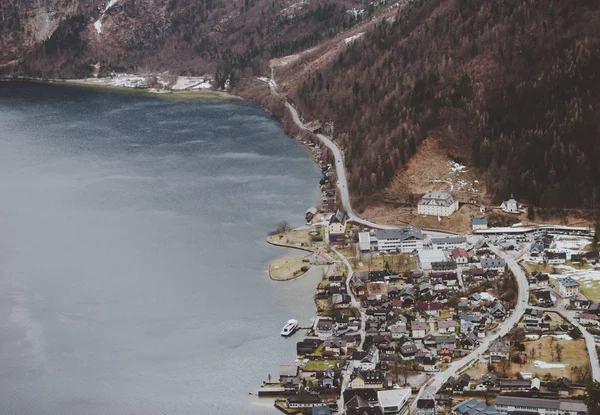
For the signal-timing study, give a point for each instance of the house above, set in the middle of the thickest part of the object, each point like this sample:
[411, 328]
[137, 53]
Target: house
[436, 203]
[514, 385]
[497, 310]
[496, 264]
[310, 214]
[562, 386]
[541, 280]
[287, 373]
[408, 349]
[428, 307]
[370, 360]
[406, 240]
[394, 402]
[367, 379]
[445, 342]
[307, 346]
[324, 328]
[443, 266]
[568, 287]
[429, 364]
[398, 329]
[469, 341]
[506, 404]
[425, 407]
[449, 242]
[499, 350]
[581, 303]
[456, 385]
[468, 322]
[486, 382]
[359, 287]
[536, 249]
[460, 256]
[446, 326]
[544, 299]
[419, 329]
[588, 319]
[479, 224]
[337, 226]
[555, 257]
[304, 401]
[510, 206]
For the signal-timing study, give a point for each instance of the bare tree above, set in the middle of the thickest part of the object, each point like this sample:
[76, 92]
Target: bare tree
[559, 349]
[505, 365]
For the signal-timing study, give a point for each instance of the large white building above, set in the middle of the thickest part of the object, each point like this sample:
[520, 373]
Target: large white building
[394, 402]
[405, 240]
[568, 287]
[450, 242]
[436, 203]
[428, 256]
[509, 404]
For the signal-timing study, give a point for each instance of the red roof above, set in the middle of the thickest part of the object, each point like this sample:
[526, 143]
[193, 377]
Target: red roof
[457, 252]
[427, 306]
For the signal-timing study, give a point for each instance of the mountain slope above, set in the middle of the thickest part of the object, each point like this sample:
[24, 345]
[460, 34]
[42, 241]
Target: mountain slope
[511, 87]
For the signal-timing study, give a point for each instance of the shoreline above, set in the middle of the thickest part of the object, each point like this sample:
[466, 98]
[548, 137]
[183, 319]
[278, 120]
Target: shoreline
[106, 83]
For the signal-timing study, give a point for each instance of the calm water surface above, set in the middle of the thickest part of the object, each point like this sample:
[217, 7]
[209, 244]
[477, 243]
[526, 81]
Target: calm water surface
[132, 254]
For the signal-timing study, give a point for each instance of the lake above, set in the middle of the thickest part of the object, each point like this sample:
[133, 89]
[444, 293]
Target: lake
[133, 267]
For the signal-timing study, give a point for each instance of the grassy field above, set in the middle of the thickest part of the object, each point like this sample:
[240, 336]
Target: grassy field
[574, 354]
[320, 365]
[287, 267]
[396, 262]
[591, 289]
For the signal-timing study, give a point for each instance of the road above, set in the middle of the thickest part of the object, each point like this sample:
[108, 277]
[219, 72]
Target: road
[363, 319]
[506, 326]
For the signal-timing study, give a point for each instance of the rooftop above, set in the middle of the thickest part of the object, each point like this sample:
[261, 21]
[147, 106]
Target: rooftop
[437, 198]
[400, 234]
[479, 221]
[449, 240]
[393, 397]
[568, 282]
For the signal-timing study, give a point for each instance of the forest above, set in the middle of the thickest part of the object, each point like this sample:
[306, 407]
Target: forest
[518, 79]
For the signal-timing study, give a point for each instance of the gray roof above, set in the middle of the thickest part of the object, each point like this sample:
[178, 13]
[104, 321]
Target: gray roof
[493, 262]
[436, 198]
[400, 234]
[449, 240]
[503, 400]
[339, 217]
[568, 282]
[479, 221]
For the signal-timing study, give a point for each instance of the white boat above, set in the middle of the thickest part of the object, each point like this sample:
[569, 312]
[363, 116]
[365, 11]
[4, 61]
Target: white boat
[289, 328]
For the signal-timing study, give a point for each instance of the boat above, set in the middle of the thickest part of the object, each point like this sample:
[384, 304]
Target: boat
[289, 328]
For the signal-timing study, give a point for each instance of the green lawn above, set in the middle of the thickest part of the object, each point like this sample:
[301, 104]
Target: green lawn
[396, 262]
[320, 365]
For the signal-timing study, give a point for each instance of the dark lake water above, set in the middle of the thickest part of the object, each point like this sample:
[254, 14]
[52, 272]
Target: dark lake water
[132, 256]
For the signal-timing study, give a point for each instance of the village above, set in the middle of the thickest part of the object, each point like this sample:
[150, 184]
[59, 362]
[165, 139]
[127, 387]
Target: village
[425, 322]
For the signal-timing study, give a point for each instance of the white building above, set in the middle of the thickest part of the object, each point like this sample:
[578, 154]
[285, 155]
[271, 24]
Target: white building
[508, 404]
[337, 226]
[364, 241]
[479, 223]
[427, 256]
[450, 242]
[405, 240]
[510, 206]
[394, 402]
[568, 287]
[436, 203]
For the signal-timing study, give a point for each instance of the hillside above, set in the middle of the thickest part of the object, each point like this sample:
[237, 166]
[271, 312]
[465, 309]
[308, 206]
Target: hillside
[509, 89]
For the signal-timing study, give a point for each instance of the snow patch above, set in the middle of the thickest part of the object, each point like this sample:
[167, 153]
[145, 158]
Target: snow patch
[188, 82]
[353, 38]
[559, 336]
[98, 26]
[526, 375]
[109, 5]
[544, 365]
